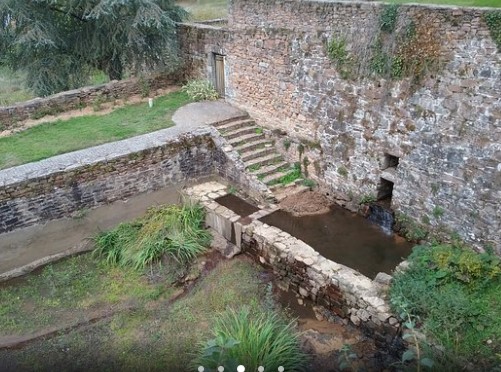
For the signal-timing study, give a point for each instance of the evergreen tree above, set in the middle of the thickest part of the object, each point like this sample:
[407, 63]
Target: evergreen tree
[59, 42]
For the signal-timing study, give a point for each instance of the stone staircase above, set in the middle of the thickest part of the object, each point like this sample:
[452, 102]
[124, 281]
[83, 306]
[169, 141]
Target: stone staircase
[258, 153]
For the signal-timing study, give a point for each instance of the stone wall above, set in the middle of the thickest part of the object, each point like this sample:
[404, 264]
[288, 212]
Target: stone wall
[299, 268]
[444, 127]
[198, 43]
[32, 199]
[78, 98]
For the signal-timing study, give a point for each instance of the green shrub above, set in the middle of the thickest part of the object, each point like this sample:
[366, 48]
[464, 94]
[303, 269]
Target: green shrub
[454, 294]
[176, 231]
[292, 175]
[493, 20]
[367, 199]
[252, 340]
[388, 18]
[200, 90]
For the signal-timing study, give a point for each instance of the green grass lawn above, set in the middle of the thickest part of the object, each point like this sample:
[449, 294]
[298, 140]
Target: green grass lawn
[203, 10]
[12, 89]
[46, 140]
[156, 335]
[484, 3]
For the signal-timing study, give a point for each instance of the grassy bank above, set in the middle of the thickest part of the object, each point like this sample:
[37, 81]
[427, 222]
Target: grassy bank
[12, 89]
[482, 3]
[160, 315]
[203, 10]
[156, 335]
[49, 139]
[451, 294]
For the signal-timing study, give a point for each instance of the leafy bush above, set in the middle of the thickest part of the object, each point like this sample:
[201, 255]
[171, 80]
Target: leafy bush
[292, 175]
[173, 230]
[201, 90]
[252, 340]
[493, 20]
[453, 293]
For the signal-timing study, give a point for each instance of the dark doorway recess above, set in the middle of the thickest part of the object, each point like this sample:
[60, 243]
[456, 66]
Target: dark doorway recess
[385, 190]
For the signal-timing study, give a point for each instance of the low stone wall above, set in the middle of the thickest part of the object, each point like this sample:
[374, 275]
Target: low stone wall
[62, 185]
[78, 98]
[28, 199]
[301, 269]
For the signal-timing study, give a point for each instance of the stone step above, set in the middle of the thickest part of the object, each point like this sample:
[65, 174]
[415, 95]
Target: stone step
[225, 128]
[246, 139]
[281, 192]
[239, 132]
[271, 169]
[254, 154]
[273, 177]
[264, 160]
[247, 147]
[233, 119]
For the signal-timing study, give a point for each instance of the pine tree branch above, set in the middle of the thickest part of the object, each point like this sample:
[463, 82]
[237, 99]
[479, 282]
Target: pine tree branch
[76, 16]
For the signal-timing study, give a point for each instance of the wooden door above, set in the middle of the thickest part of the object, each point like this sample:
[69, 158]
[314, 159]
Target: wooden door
[219, 74]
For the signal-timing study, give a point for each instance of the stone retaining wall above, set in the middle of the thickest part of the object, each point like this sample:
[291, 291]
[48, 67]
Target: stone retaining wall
[62, 185]
[78, 98]
[444, 129]
[299, 268]
[58, 194]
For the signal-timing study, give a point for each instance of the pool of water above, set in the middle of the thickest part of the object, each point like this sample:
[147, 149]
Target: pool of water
[237, 205]
[346, 238]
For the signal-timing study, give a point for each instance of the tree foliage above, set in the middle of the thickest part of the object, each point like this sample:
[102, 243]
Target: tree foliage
[58, 42]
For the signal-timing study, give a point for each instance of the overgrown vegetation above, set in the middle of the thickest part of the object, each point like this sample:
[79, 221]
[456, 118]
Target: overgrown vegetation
[157, 335]
[49, 139]
[410, 229]
[401, 48]
[452, 294]
[338, 53]
[253, 340]
[175, 231]
[292, 175]
[59, 44]
[200, 90]
[71, 287]
[493, 20]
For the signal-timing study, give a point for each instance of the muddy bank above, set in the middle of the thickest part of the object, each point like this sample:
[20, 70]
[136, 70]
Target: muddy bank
[306, 203]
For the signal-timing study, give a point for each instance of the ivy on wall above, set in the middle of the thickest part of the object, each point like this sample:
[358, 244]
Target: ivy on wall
[401, 48]
[493, 20]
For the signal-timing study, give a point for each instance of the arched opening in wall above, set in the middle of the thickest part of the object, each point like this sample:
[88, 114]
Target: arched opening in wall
[385, 192]
[390, 161]
[219, 82]
[389, 166]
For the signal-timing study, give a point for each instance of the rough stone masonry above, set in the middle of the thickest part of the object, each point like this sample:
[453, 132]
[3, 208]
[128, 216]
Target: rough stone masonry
[443, 132]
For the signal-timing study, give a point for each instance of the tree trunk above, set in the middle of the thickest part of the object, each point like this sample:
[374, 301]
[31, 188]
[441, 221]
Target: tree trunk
[114, 68]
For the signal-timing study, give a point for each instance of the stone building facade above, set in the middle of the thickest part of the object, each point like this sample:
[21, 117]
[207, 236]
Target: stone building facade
[433, 143]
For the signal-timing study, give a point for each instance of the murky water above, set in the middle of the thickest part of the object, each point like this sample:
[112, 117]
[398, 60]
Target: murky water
[237, 205]
[23, 246]
[346, 238]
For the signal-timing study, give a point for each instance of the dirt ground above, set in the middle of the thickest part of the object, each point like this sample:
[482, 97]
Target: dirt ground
[306, 203]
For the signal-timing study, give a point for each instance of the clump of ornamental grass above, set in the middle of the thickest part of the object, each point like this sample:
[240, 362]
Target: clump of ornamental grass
[176, 231]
